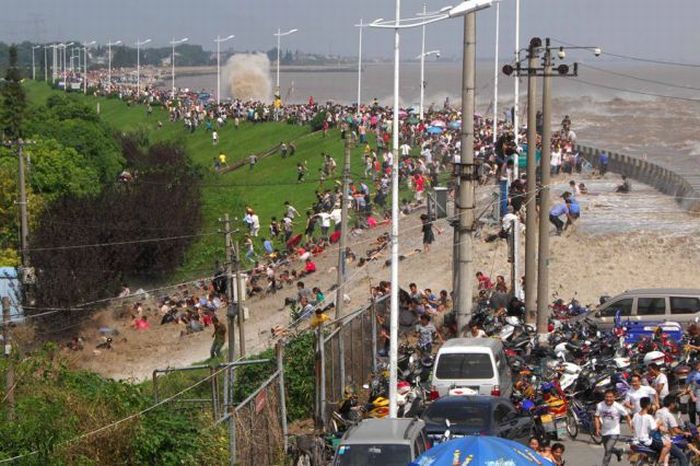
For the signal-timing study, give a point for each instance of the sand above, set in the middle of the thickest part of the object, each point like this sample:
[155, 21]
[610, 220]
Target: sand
[583, 263]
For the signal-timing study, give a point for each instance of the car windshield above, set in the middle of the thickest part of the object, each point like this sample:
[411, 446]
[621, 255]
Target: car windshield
[472, 416]
[362, 455]
[464, 366]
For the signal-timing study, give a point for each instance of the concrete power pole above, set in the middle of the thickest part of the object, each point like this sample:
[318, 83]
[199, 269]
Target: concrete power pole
[240, 299]
[10, 373]
[466, 173]
[339, 304]
[531, 212]
[543, 251]
[231, 316]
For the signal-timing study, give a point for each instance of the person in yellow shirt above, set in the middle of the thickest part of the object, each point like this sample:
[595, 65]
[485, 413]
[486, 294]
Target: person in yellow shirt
[222, 160]
[318, 318]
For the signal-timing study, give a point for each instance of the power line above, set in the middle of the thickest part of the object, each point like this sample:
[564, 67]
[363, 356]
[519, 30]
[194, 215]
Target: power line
[634, 58]
[651, 94]
[120, 243]
[646, 80]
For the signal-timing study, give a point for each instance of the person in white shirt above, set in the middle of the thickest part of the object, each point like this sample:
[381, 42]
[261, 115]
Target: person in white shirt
[667, 421]
[638, 391]
[643, 425]
[325, 218]
[607, 424]
[660, 383]
[405, 150]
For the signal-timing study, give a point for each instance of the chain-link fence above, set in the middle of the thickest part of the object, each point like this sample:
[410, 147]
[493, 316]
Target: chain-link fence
[346, 358]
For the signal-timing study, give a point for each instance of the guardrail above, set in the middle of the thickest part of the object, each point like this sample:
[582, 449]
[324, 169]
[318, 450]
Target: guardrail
[685, 187]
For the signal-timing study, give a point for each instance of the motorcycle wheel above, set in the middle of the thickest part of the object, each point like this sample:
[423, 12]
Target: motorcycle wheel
[571, 425]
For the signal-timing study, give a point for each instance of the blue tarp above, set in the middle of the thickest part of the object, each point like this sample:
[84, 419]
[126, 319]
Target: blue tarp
[478, 450]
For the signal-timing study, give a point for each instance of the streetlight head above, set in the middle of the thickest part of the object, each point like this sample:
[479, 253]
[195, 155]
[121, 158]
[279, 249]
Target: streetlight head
[117, 42]
[508, 70]
[437, 54]
[535, 42]
[563, 69]
[561, 54]
[468, 6]
[445, 9]
[597, 51]
[292, 31]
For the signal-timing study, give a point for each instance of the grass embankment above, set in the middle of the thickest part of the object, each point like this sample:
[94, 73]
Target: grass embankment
[265, 188]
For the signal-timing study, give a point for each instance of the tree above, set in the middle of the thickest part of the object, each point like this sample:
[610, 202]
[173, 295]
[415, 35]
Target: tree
[13, 99]
[58, 171]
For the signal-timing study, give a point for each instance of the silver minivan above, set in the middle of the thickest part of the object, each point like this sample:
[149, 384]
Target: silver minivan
[471, 366]
[677, 304]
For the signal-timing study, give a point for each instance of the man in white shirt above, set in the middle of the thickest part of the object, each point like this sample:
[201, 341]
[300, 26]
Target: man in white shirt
[405, 150]
[665, 417]
[638, 391]
[660, 383]
[607, 424]
[643, 425]
[325, 218]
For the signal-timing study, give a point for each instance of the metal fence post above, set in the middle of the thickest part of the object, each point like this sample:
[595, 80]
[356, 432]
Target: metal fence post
[322, 381]
[373, 316]
[282, 399]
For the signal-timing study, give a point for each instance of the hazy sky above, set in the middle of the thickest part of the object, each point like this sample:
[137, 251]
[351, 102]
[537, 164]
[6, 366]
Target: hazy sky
[649, 28]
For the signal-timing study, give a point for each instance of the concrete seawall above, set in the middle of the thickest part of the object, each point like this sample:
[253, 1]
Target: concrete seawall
[683, 183]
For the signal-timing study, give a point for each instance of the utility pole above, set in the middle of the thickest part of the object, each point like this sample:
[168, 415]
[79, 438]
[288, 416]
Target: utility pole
[543, 250]
[466, 173]
[240, 298]
[531, 212]
[339, 304]
[231, 316]
[515, 265]
[10, 373]
[536, 295]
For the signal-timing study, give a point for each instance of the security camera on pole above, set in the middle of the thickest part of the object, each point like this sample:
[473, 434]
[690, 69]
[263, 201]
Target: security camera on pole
[537, 302]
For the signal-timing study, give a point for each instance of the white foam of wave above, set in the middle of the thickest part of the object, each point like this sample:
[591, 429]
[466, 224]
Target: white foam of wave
[248, 77]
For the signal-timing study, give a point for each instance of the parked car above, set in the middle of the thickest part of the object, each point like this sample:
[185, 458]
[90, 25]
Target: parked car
[382, 442]
[475, 365]
[476, 415]
[649, 304]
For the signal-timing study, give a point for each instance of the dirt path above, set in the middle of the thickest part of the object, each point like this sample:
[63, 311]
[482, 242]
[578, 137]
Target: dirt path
[586, 263]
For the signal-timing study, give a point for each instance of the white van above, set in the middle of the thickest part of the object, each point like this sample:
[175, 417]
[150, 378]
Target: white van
[476, 364]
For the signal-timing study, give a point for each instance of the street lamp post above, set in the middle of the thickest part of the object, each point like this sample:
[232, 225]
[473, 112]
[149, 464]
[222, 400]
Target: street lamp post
[279, 35]
[361, 26]
[65, 69]
[46, 62]
[33, 62]
[85, 57]
[495, 76]
[218, 41]
[109, 63]
[397, 24]
[422, 76]
[173, 43]
[138, 65]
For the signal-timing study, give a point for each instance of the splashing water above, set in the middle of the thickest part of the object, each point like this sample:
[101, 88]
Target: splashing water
[248, 77]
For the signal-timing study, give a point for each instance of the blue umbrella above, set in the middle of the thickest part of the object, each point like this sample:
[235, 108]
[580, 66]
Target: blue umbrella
[455, 124]
[434, 130]
[477, 450]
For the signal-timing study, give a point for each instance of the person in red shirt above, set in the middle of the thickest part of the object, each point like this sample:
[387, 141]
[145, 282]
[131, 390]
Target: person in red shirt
[142, 323]
[485, 282]
[419, 183]
[310, 266]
